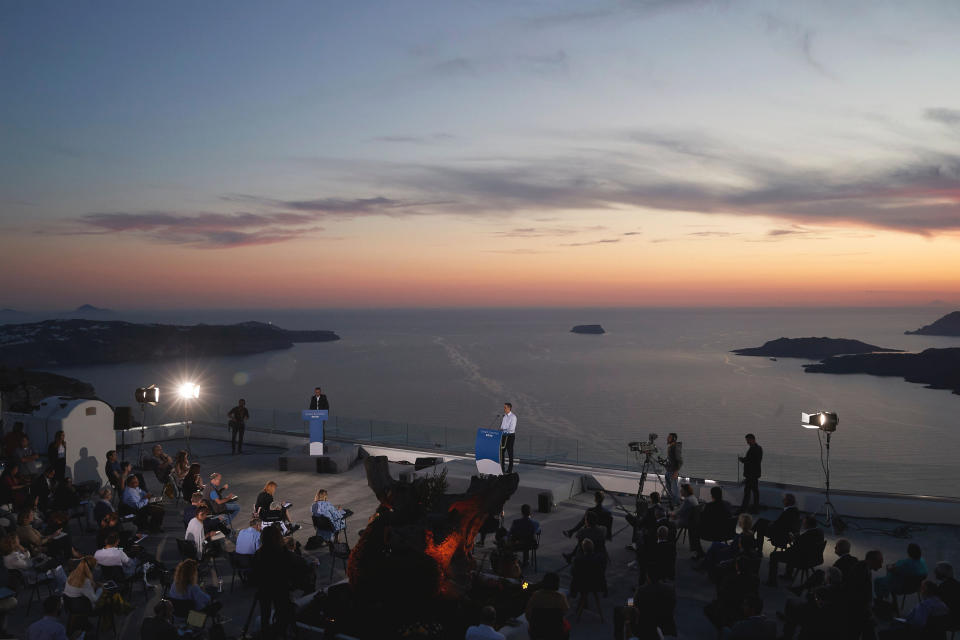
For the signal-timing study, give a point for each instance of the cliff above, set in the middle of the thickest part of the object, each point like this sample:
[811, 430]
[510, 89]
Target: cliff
[936, 368]
[59, 343]
[811, 348]
[948, 325]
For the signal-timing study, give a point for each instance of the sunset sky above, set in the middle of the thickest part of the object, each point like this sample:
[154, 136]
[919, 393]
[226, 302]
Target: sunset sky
[474, 153]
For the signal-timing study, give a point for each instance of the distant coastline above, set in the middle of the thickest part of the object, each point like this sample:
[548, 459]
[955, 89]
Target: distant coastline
[62, 343]
[810, 348]
[935, 368]
[589, 329]
[948, 325]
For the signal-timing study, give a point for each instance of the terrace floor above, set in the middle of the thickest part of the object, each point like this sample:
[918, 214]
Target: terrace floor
[247, 473]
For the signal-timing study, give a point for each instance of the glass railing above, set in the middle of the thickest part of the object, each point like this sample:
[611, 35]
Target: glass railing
[847, 472]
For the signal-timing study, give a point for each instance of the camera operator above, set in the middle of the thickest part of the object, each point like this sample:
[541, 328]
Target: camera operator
[671, 467]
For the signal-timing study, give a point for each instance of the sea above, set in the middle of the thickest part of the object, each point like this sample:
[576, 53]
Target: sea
[440, 374]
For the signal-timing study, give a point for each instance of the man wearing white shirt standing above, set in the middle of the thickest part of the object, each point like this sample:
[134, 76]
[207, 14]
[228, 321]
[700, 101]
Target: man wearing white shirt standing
[508, 428]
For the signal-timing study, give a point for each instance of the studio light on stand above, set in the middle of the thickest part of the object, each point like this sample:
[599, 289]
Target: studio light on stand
[188, 391]
[145, 396]
[825, 422]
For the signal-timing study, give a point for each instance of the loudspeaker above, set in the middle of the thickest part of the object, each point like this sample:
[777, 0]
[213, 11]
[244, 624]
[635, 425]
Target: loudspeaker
[122, 418]
[545, 502]
[423, 463]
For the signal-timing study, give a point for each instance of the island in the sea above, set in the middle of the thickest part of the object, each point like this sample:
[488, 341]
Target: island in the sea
[948, 325]
[592, 329]
[936, 368]
[810, 348]
[61, 343]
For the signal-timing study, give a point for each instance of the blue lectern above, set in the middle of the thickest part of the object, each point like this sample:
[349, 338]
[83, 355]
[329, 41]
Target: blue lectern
[316, 418]
[487, 451]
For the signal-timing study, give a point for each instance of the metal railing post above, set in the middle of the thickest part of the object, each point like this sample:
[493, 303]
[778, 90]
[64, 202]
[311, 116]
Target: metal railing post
[371, 431]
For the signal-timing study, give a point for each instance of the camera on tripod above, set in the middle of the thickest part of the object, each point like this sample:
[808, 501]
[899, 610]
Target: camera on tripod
[646, 448]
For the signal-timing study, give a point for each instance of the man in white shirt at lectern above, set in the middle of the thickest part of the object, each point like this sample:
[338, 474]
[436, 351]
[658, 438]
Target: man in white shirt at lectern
[508, 427]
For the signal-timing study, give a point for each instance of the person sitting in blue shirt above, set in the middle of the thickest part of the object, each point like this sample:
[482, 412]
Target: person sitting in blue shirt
[323, 508]
[138, 501]
[185, 587]
[248, 540]
[900, 575]
[49, 626]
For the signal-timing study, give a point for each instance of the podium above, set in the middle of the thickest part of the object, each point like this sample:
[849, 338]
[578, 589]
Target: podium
[487, 451]
[316, 418]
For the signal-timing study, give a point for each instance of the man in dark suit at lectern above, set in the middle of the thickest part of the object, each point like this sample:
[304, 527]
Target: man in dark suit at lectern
[318, 401]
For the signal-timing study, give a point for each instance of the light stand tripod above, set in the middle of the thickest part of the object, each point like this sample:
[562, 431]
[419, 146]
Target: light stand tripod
[833, 519]
[143, 428]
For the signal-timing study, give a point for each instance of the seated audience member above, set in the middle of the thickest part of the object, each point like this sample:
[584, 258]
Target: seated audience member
[12, 439]
[181, 467]
[523, 533]
[715, 517]
[15, 555]
[192, 483]
[138, 501]
[754, 625]
[111, 555]
[801, 611]
[548, 606]
[687, 515]
[111, 523]
[922, 618]
[13, 488]
[901, 574]
[185, 587]
[846, 563]
[323, 508]
[588, 574]
[779, 531]
[49, 626]
[248, 540]
[269, 509]
[732, 591]
[160, 626]
[114, 471]
[30, 538]
[28, 458]
[592, 532]
[304, 570]
[490, 525]
[661, 558]
[656, 603]
[949, 588]
[65, 496]
[220, 500]
[807, 545]
[42, 488]
[80, 582]
[604, 517]
[190, 509]
[485, 630]
[162, 463]
[104, 505]
[200, 536]
[57, 455]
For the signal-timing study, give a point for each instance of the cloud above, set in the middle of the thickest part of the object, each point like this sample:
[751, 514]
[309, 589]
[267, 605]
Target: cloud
[455, 67]
[949, 117]
[417, 139]
[545, 232]
[545, 64]
[713, 234]
[587, 243]
[609, 10]
[201, 230]
[800, 36]
[633, 233]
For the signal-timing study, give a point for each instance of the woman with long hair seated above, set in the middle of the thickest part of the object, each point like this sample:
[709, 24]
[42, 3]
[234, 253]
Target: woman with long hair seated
[185, 587]
[192, 483]
[180, 467]
[269, 509]
[80, 582]
[323, 508]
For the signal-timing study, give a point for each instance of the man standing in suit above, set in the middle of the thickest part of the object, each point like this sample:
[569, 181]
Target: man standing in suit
[318, 401]
[751, 474]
